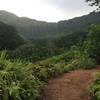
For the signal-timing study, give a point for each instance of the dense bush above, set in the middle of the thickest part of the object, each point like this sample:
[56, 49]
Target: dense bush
[95, 88]
[17, 81]
[92, 43]
[23, 80]
[31, 52]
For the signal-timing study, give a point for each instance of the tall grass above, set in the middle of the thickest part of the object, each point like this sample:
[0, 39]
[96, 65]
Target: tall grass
[22, 80]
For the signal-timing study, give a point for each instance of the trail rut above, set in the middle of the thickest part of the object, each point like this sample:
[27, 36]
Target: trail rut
[70, 86]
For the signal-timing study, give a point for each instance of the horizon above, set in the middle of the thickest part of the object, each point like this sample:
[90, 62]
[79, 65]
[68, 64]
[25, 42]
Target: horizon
[47, 10]
[42, 20]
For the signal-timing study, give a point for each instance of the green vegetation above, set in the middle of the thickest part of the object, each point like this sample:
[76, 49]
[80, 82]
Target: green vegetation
[92, 47]
[17, 81]
[23, 80]
[28, 59]
[95, 88]
[41, 49]
[33, 29]
[92, 43]
[20, 78]
[9, 39]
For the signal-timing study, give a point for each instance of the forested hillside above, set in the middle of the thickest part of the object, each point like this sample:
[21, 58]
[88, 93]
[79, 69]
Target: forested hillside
[9, 37]
[32, 52]
[29, 28]
[23, 79]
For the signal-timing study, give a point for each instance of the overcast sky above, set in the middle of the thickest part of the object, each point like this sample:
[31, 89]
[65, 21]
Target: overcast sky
[46, 10]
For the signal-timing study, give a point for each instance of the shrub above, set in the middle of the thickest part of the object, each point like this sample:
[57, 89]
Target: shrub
[95, 88]
[17, 81]
[88, 63]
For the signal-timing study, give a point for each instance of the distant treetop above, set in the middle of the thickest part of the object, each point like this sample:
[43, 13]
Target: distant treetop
[94, 3]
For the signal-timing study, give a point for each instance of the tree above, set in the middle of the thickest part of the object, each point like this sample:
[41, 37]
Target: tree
[9, 39]
[94, 3]
[92, 43]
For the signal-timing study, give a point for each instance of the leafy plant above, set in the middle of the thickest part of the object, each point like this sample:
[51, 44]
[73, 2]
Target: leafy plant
[95, 88]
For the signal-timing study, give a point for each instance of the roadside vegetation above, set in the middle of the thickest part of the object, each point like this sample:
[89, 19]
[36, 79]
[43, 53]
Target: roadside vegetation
[22, 79]
[26, 65]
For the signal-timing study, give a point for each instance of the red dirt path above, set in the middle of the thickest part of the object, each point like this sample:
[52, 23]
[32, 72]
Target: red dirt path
[70, 86]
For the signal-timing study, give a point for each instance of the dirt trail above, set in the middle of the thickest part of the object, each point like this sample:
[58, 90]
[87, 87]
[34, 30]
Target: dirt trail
[70, 86]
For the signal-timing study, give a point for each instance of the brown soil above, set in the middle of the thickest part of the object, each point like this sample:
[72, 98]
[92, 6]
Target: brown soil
[70, 86]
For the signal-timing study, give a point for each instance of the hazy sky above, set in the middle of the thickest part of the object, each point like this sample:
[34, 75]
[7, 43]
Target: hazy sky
[47, 10]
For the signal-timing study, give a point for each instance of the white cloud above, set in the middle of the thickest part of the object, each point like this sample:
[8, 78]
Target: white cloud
[49, 10]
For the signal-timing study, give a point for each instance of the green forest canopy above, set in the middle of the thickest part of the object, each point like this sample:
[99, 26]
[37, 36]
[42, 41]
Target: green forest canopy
[9, 38]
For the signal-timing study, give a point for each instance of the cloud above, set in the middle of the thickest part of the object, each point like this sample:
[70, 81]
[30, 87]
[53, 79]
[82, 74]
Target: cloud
[71, 7]
[47, 10]
[67, 4]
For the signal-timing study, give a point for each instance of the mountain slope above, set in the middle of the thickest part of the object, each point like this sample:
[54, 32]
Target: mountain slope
[30, 28]
[9, 39]
[27, 27]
